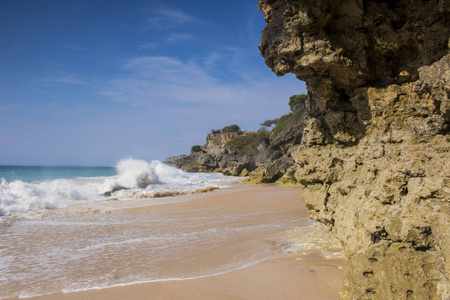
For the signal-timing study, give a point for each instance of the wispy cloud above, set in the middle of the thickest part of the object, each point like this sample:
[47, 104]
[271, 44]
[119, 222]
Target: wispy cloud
[170, 18]
[177, 37]
[66, 78]
[233, 56]
[158, 79]
[75, 48]
[168, 70]
[213, 58]
[188, 86]
[167, 27]
[165, 20]
[171, 39]
[175, 16]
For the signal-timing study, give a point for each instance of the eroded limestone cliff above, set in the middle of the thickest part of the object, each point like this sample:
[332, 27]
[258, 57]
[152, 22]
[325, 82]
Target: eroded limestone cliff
[218, 155]
[252, 154]
[375, 150]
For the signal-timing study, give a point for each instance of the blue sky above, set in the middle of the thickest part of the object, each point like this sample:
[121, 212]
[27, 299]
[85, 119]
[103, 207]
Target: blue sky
[90, 82]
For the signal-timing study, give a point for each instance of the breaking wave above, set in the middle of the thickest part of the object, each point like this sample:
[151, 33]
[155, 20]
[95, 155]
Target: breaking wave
[139, 174]
[133, 177]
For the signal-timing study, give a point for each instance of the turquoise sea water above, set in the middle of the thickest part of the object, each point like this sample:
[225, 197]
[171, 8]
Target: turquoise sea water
[30, 174]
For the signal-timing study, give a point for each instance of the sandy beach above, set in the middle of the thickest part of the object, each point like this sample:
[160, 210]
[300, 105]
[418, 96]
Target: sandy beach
[306, 278]
[252, 254]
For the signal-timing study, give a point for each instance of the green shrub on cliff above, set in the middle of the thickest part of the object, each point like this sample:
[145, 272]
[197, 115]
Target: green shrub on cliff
[297, 106]
[232, 128]
[196, 148]
[228, 129]
[269, 123]
[248, 142]
[281, 125]
[298, 101]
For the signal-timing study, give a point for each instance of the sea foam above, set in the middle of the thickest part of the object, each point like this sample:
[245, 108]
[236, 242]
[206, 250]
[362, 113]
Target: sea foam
[22, 197]
[133, 177]
[132, 174]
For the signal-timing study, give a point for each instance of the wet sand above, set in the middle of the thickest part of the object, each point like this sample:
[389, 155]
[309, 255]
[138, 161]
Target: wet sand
[309, 278]
[284, 274]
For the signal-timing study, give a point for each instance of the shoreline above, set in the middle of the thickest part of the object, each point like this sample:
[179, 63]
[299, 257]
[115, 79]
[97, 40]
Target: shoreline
[291, 277]
[290, 274]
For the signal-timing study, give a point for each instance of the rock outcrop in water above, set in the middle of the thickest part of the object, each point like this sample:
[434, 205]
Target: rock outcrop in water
[374, 155]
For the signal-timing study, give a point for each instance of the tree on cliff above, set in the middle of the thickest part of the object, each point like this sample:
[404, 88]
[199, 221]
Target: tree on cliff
[226, 129]
[297, 105]
[269, 123]
[196, 148]
[298, 101]
[231, 128]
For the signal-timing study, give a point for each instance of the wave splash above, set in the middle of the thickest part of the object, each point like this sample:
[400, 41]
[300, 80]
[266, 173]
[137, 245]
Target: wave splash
[139, 174]
[133, 177]
[22, 197]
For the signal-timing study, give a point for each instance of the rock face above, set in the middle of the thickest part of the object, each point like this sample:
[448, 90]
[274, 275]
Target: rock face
[250, 154]
[375, 151]
[221, 156]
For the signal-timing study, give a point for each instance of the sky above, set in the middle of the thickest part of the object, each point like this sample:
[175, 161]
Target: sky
[90, 82]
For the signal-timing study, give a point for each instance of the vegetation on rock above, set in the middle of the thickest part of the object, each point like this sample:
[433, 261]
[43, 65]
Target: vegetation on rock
[228, 129]
[196, 148]
[281, 125]
[262, 155]
[248, 142]
[298, 101]
[269, 123]
[297, 106]
[232, 128]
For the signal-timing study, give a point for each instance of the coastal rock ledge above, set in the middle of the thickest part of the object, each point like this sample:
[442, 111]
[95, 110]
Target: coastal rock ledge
[374, 156]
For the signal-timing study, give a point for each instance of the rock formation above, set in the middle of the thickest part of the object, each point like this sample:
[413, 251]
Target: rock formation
[374, 155]
[251, 154]
[218, 155]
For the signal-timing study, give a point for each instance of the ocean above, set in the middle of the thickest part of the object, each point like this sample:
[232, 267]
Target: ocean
[70, 229]
[30, 174]
[25, 189]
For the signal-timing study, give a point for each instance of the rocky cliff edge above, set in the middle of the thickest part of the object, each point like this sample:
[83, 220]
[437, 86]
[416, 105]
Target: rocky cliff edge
[252, 154]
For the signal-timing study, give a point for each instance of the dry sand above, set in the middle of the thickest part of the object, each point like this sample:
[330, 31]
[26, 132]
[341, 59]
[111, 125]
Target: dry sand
[291, 275]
